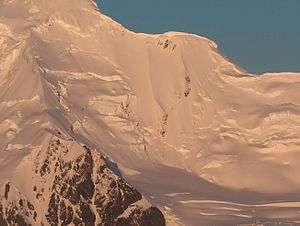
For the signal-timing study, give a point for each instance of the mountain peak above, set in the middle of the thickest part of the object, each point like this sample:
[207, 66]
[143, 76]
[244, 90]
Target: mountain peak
[33, 5]
[35, 12]
[173, 115]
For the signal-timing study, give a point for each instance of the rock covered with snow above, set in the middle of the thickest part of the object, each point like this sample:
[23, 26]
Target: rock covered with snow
[195, 134]
[71, 184]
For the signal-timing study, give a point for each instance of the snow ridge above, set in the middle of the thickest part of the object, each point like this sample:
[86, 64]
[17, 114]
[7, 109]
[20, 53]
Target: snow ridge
[181, 122]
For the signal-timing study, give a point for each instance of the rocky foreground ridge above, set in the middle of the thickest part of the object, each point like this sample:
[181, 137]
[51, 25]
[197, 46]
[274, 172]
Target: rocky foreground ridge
[80, 190]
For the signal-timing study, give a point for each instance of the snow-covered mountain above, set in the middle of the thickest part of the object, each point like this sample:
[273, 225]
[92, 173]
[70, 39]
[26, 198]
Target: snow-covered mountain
[65, 184]
[86, 104]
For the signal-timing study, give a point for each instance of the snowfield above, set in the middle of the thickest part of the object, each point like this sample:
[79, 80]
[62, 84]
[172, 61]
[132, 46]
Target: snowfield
[198, 137]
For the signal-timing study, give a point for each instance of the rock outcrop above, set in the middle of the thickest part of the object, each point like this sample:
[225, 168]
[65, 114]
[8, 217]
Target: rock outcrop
[76, 188]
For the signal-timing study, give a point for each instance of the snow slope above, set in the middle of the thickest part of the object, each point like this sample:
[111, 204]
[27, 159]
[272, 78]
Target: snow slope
[196, 135]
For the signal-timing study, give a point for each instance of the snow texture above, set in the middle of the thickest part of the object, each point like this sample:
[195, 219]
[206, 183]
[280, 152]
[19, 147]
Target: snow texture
[205, 141]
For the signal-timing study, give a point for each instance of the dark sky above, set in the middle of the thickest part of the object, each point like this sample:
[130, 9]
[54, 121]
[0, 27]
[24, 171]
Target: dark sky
[258, 35]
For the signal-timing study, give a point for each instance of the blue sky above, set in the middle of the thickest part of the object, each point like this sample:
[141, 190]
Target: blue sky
[258, 35]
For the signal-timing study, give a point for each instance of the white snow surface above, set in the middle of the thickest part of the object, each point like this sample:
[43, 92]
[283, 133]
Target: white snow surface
[207, 142]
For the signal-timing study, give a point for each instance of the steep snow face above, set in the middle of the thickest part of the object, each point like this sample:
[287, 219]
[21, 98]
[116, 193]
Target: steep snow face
[182, 123]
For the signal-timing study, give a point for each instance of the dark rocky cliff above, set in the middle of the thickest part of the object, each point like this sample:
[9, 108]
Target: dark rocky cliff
[77, 191]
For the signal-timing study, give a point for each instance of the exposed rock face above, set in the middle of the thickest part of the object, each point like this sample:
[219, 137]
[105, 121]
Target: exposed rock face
[2, 220]
[77, 191]
[150, 216]
[17, 213]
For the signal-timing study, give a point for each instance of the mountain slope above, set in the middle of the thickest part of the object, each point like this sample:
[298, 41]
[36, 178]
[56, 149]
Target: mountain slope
[72, 185]
[195, 134]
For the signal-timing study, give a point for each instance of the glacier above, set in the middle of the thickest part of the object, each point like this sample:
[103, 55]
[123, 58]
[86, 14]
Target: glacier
[200, 138]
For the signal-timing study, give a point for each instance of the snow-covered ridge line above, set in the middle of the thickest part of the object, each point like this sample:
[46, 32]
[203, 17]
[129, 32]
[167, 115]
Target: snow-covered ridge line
[177, 119]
